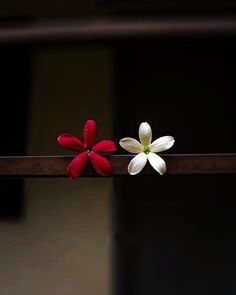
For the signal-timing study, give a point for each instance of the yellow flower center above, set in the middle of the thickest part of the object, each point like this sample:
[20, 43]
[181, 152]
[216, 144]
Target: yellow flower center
[87, 151]
[146, 150]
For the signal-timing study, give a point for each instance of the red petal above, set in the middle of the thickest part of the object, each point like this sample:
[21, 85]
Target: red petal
[77, 165]
[104, 146]
[100, 164]
[90, 133]
[70, 142]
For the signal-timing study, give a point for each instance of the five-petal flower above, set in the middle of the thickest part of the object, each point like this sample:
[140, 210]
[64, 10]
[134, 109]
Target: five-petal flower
[146, 150]
[87, 151]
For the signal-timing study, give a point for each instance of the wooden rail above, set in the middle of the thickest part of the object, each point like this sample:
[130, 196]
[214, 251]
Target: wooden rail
[67, 31]
[177, 164]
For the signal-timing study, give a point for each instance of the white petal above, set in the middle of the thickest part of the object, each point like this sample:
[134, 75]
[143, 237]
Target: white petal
[161, 144]
[131, 145]
[145, 134]
[157, 163]
[137, 164]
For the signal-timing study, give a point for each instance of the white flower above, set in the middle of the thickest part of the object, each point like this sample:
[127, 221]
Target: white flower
[146, 149]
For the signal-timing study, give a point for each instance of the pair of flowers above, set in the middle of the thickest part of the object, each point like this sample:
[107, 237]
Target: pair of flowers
[88, 151]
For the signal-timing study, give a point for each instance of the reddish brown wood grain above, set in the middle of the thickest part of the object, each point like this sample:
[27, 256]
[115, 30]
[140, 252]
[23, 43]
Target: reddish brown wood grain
[51, 31]
[177, 164]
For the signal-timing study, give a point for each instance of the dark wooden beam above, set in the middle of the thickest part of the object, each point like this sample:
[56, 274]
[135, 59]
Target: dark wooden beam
[177, 164]
[49, 32]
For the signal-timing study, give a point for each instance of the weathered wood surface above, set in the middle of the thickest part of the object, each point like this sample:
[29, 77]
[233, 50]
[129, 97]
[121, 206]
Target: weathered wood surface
[177, 164]
[68, 31]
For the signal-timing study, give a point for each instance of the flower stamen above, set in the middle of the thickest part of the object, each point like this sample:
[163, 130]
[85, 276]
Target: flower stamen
[88, 151]
[146, 150]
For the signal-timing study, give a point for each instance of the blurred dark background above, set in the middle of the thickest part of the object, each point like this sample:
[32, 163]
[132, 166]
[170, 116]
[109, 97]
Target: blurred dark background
[133, 235]
[176, 235]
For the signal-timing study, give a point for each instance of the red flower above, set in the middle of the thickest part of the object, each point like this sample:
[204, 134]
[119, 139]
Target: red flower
[88, 151]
